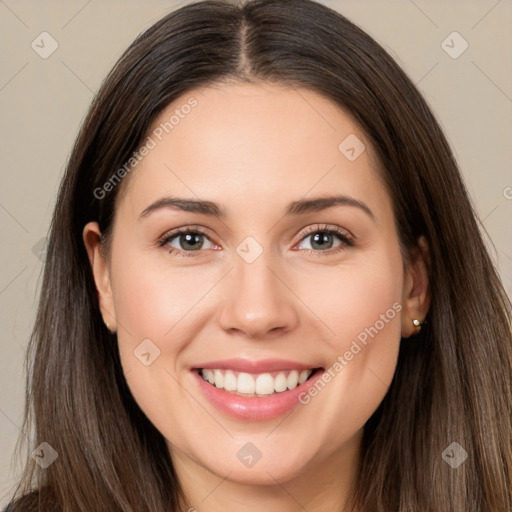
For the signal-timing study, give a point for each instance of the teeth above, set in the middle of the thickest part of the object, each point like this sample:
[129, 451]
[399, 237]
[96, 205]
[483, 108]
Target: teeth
[246, 383]
[230, 381]
[210, 377]
[219, 378]
[264, 384]
[281, 383]
[258, 385]
[293, 379]
[304, 376]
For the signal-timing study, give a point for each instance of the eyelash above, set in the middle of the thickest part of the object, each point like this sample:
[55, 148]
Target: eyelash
[346, 240]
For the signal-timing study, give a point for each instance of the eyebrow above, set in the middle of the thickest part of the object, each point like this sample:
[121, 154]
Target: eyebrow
[299, 207]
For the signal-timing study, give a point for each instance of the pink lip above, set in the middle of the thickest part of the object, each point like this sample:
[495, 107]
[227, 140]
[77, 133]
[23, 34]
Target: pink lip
[254, 408]
[248, 366]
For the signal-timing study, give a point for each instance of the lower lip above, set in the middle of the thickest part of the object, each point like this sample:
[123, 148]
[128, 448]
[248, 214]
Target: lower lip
[255, 408]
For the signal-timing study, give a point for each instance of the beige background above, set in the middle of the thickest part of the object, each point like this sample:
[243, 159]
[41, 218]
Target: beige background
[43, 101]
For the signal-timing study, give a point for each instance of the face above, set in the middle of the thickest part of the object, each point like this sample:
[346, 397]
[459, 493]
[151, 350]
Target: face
[264, 286]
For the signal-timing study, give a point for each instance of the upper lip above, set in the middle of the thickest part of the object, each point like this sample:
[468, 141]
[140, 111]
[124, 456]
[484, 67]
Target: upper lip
[250, 366]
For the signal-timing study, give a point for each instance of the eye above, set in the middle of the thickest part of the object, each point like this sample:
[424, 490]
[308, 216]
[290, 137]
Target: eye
[322, 239]
[187, 241]
[190, 240]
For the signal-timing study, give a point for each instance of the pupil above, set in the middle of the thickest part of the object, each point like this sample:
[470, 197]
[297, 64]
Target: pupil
[322, 239]
[189, 239]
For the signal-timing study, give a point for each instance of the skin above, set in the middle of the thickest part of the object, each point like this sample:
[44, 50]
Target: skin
[253, 149]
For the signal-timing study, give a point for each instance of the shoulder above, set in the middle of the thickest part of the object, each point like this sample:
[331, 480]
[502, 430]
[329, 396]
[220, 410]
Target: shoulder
[27, 503]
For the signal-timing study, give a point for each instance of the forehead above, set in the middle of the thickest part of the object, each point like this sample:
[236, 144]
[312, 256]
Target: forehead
[246, 145]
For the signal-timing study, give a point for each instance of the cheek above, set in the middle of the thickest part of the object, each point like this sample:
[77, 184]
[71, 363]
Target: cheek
[357, 298]
[360, 303]
[157, 311]
[151, 299]
[151, 312]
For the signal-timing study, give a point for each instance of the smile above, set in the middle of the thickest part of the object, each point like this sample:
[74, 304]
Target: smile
[254, 391]
[255, 385]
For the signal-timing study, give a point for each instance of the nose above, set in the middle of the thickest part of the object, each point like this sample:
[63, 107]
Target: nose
[258, 301]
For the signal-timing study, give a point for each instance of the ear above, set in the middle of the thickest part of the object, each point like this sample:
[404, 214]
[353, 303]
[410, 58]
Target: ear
[416, 291]
[100, 269]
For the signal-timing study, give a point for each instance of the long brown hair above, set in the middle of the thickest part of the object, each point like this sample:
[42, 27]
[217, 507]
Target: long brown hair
[452, 384]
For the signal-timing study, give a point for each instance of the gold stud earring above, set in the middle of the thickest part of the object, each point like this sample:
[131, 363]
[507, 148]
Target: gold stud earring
[418, 325]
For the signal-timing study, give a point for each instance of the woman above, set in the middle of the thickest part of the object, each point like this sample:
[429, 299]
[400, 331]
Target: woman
[265, 286]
